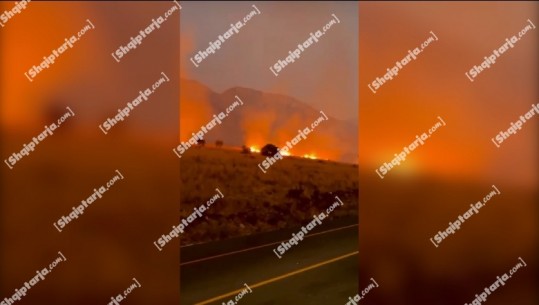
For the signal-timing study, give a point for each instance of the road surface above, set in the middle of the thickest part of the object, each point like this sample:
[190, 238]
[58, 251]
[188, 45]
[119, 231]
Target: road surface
[321, 269]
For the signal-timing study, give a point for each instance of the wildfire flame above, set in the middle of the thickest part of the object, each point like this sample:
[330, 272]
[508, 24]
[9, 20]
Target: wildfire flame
[310, 156]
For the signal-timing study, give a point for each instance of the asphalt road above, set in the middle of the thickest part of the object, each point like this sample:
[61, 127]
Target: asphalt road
[321, 269]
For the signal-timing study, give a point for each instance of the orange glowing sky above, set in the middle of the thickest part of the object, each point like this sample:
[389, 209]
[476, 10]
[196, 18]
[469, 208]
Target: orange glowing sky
[85, 76]
[323, 78]
[435, 85]
[325, 72]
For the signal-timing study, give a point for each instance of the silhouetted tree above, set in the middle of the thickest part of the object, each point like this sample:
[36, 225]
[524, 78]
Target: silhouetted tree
[269, 150]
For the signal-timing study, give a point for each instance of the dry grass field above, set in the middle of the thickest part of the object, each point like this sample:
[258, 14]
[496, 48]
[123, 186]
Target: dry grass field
[289, 194]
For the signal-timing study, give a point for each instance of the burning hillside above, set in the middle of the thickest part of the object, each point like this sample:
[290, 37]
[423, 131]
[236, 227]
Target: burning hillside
[265, 118]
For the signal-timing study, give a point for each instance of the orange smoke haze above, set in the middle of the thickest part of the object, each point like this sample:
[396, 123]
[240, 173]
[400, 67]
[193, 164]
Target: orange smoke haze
[257, 127]
[258, 122]
[319, 144]
[275, 107]
[195, 110]
[21, 51]
[435, 85]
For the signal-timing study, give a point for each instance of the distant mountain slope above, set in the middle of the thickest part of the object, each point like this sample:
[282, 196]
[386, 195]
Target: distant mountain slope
[264, 118]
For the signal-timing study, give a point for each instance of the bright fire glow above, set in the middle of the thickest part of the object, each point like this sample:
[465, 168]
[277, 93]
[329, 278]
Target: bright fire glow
[310, 156]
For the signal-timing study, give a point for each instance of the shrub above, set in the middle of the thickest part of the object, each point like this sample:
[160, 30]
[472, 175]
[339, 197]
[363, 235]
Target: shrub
[269, 150]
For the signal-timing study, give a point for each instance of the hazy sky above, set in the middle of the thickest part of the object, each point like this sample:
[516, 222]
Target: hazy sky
[325, 76]
[86, 77]
[435, 85]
